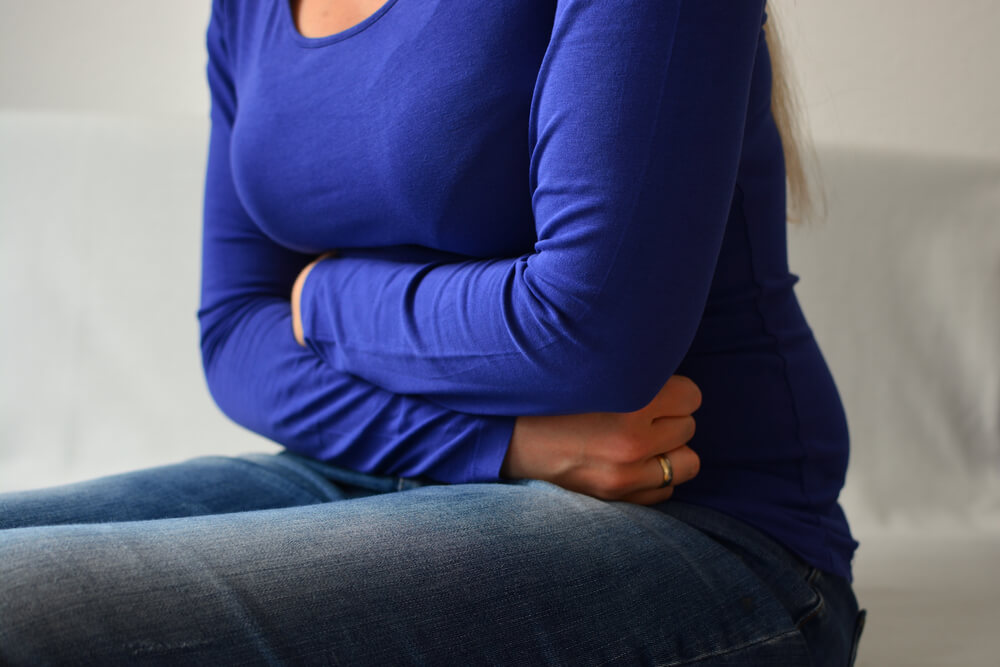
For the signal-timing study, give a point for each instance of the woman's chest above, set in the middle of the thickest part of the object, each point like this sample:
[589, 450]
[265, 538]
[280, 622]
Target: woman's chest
[320, 18]
[410, 127]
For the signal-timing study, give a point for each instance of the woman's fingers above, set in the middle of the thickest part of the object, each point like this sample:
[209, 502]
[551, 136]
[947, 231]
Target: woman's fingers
[670, 433]
[643, 479]
[683, 463]
[679, 396]
[297, 295]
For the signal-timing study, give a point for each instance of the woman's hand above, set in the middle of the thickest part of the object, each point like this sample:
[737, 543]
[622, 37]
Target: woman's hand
[611, 455]
[297, 296]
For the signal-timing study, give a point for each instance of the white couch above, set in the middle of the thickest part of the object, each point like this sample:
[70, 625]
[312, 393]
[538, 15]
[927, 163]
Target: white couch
[99, 368]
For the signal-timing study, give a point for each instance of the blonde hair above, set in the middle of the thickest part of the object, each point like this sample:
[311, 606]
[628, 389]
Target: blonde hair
[806, 201]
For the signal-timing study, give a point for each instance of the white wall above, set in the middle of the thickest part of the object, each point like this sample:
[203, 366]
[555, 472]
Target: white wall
[111, 56]
[916, 75]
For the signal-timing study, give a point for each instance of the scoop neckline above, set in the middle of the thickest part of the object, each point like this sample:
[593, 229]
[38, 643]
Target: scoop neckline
[332, 38]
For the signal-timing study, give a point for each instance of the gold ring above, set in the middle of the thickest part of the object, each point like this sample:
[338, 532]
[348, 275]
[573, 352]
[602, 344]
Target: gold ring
[668, 470]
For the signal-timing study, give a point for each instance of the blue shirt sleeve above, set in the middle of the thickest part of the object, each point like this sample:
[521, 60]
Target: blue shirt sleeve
[635, 133]
[263, 380]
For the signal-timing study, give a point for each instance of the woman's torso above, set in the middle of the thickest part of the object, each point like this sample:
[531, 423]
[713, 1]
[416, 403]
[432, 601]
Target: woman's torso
[375, 176]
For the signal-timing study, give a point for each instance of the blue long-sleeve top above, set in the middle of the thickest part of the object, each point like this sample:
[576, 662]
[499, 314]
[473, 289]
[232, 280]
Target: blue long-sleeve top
[539, 207]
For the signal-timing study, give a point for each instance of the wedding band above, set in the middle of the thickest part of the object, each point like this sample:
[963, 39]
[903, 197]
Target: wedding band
[668, 470]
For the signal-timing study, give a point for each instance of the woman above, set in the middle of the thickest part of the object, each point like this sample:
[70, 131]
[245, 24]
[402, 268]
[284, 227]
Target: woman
[475, 265]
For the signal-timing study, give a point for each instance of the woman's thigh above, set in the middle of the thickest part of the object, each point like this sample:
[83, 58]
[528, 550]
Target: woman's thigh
[519, 573]
[199, 486]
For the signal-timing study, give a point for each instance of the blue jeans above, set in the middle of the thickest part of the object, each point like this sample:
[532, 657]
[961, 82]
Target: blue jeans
[278, 559]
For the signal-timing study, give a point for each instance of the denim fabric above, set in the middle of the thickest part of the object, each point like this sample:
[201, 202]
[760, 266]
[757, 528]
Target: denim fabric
[825, 611]
[277, 559]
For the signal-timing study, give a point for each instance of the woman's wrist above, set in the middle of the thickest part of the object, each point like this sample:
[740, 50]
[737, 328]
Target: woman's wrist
[296, 298]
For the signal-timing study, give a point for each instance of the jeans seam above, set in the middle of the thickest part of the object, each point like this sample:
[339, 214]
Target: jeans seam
[734, 649]
[820, 601]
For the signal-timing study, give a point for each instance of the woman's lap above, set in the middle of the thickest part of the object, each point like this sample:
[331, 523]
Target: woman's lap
[513, 573]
